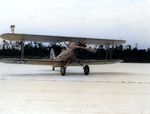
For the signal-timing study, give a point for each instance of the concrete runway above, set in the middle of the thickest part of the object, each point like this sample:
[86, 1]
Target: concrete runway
[122, 88]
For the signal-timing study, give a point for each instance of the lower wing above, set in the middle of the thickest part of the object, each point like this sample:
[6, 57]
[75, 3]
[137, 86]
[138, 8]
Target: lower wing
[97, 62]
[55, 63]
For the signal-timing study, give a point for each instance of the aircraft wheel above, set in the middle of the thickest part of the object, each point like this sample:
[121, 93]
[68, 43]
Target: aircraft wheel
[63, 70]
[86, 70]
[53, 68]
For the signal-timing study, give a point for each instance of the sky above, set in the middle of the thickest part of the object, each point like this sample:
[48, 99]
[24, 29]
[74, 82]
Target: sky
[108, 19]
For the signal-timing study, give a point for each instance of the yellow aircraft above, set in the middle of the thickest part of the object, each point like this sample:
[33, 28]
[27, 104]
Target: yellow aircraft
[68, 57]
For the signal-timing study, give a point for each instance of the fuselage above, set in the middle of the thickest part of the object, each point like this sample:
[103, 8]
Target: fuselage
[74, 53]
[67, 55]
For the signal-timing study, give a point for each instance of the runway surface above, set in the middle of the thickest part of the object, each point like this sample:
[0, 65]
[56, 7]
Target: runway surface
[122, 88]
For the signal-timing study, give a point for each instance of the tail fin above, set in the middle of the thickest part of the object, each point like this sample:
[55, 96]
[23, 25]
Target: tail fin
[52, 54]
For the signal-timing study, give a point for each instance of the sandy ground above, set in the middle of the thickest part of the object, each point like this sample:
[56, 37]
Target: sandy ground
[109, 89]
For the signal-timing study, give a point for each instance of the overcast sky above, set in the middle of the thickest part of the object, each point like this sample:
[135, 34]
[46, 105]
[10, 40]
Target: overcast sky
[110, 19]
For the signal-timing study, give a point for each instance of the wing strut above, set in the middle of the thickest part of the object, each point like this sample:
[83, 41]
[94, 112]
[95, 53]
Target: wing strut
[22, 49]
[109, 50]
[66, 43]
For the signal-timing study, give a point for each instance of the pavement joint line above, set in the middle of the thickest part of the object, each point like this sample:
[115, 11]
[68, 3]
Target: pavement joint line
[130, 82]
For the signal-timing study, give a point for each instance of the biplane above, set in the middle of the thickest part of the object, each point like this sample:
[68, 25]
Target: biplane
[69, 57]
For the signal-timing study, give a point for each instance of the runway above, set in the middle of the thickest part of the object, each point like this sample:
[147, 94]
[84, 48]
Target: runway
[122, 88]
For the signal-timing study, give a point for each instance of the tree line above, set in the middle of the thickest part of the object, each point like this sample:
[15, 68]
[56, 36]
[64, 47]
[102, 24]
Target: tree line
[35, 50]
[39, 50]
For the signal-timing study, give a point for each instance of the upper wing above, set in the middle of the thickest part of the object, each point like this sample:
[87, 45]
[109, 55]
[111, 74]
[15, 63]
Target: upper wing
[44, 38]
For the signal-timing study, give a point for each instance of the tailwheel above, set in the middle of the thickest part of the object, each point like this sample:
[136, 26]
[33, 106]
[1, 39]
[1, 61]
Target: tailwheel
[63, 70]
[53, 68]
[86, 70]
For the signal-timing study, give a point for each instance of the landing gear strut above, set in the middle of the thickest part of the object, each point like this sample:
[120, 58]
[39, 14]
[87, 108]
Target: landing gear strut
[63, 70]
[86, 70]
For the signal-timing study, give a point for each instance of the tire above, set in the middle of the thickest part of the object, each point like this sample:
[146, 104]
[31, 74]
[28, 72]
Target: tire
[86, 70]
[53, 68]
[63, 70]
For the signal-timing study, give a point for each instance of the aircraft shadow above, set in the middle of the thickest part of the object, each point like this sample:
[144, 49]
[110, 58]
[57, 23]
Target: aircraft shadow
[77, 74]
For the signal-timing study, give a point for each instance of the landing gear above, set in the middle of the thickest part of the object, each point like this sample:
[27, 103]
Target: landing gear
[86, 70]
[63, 70]
[53, 68]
